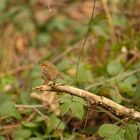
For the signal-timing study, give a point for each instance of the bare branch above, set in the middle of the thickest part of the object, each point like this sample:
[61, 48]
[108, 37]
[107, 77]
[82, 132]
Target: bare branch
[93, 99]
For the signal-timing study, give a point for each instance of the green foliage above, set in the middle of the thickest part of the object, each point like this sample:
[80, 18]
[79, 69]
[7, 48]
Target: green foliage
[7, 109]
[30, 124]
[22, 134]
[111, 132]
[8, 80]
[136, 95]
[120, 21]
[54, 123]
[84, 73]
[114, 68]
[25, 98]
[111, 51]
[77, 109]
[127, 86]
[65, 107]
[114, 96]
[73, 103]
[79, 99]
[58, 23]
[131, 132]
[43, 38]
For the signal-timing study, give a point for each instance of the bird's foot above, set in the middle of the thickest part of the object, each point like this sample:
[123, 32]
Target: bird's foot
[51, 83]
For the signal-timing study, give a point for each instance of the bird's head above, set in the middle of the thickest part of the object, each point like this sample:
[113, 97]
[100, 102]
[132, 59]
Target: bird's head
[45, 64]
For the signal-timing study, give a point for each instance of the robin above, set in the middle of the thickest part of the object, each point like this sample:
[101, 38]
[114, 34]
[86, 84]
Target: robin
[50, 72]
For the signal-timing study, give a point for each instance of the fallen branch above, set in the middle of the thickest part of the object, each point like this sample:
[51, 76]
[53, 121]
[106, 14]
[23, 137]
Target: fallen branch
[93, 99]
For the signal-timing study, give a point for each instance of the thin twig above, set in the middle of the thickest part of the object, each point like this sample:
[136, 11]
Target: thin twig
[41, 114]
[31, 116]
[35, 107]
[85, 123]
[29, 106]
[116, 78]
[108, 112]
[107, 11]
[119, 95]
[84, 43]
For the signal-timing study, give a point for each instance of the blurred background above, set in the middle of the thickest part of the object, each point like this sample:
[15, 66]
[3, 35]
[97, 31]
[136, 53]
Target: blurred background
[36, 30]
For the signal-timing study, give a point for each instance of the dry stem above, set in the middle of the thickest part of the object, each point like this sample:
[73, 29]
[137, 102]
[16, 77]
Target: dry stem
[93, 99]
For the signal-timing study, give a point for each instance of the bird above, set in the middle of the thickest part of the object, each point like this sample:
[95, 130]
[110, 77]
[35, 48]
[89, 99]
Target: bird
[50, 72]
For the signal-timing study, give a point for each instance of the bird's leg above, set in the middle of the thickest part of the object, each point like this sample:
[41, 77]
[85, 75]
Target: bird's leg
[51, 83]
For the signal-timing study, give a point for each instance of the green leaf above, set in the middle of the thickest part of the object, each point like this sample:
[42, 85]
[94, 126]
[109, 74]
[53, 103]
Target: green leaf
[136, 95]
[77, 109]
[39, 119]
[115, 96]
[7, 108]
[131, 80]
[25, 97]
[116, 137]
[15, 113]
[112, 132]
[4, 98]
[30, 124]
[78, 99]
[127, 85]
[22, 133]
[126, 88]
[53, 123]
[66, 98]
[114, 68]
[131, 132]
[65, 107]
